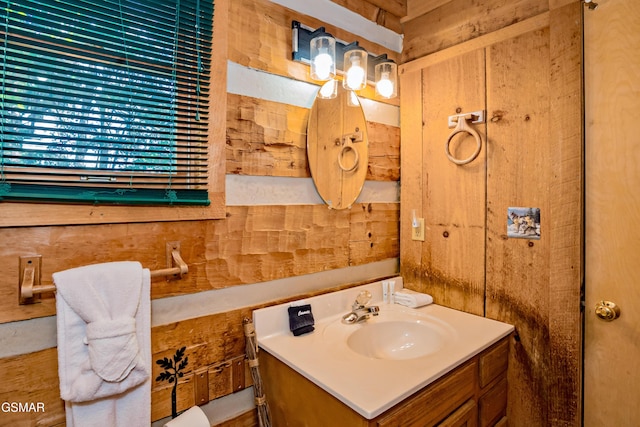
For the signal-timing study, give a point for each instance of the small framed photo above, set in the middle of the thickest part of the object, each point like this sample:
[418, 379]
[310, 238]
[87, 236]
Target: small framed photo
[523, 223]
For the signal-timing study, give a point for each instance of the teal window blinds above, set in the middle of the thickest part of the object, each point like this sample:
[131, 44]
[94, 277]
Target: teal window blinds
[105, 101]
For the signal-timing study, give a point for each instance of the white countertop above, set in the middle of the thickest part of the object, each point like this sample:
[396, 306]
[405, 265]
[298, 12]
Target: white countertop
[368, 385]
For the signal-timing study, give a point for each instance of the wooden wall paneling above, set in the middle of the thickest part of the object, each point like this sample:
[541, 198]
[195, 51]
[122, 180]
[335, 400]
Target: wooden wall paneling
[521, 27]
[32, 378]
[260, 243]
[461, 20]
[374, 232]
[567, 223]
[260, 38]
[384, 13]
[270, 139]
[254, 244]
[416, 8]
[210, 340]
[454, 195]
[411, 196]
[519, 174]
[67, 247]
[266, 138]
[395, 7]
[384, 152]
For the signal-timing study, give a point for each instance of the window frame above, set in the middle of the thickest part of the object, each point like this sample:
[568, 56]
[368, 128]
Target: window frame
[21, 214]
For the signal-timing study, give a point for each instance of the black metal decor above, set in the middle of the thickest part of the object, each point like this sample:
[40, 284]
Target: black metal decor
[173, 371]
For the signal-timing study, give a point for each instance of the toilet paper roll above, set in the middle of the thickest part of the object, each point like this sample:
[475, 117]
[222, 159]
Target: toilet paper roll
[192, 417]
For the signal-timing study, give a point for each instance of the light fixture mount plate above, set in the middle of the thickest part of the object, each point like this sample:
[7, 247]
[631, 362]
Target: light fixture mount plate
[301, 52]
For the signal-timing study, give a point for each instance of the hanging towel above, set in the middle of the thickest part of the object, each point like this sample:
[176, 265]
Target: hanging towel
[104, 344]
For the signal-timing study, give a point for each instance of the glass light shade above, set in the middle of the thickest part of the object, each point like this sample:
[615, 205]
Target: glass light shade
[323, 58]
[329, 90]
[386, 74]
[355, 69]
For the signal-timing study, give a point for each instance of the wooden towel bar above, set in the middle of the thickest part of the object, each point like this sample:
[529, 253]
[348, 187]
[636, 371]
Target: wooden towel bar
[30, 283]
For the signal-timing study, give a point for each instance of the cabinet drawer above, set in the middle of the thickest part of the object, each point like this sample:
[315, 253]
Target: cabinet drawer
[464, 416]
[494, 362]
[433, 404]
[493, 404]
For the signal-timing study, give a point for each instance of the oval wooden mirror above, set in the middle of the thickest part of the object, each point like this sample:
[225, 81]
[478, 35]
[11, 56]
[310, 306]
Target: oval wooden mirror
[338, 148]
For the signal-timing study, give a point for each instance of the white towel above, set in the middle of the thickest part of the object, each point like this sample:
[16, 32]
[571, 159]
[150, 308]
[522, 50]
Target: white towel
[104, 344]
[413, 299]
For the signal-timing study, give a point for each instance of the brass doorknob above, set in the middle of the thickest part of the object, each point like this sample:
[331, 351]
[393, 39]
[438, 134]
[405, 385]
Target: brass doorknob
[607, 310]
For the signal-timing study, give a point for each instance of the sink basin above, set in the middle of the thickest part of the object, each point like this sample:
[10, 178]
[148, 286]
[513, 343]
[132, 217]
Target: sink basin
[396, 340]
[397, 333]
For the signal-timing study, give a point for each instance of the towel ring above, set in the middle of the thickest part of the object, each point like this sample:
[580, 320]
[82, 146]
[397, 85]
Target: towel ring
[345, 148]
[463, 126]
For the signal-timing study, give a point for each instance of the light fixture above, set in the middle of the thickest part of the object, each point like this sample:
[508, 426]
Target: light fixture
[355, 67]
[323, 55]
[327, 57]
[386, 73]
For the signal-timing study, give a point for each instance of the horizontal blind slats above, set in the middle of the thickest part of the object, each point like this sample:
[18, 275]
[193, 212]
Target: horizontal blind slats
[114, 90]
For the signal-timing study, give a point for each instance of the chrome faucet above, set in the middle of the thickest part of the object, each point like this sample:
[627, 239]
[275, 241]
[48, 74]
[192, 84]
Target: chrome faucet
[359, 311]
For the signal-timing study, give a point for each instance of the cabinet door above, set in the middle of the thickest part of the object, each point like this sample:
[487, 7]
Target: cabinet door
[464, 416]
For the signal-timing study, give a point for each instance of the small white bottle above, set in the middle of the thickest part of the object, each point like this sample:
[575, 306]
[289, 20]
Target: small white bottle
[385, 292]
[392, 291]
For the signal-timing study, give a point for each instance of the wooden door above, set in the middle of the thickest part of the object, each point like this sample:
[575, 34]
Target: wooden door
[612, 102]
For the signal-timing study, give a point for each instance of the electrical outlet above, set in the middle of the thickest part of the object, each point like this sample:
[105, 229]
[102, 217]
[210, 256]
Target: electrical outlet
[417, 233]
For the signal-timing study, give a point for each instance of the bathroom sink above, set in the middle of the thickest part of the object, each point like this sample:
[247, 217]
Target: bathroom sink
[375, 364]
[397, 333]
[397, 340]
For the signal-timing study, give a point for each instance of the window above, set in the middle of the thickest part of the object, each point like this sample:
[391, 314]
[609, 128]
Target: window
[105, 101]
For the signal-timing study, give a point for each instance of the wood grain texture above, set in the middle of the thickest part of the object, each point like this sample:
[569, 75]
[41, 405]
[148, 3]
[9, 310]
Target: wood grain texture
[395, 7]
[382, 12]
[374, 232]
[519, 174]
[266, 138]
[412, 195]
[454, 205]
[416, 8]
[522, 27]
[612, 78]
[244, 245]
[384, 152]
[458, 21]
[267, 46]
[270, 139]
[253, 244]
[32, 378]
[566, 194]
[533, 160]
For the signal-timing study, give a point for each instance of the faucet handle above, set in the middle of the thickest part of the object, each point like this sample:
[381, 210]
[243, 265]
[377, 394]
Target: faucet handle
[363, 298]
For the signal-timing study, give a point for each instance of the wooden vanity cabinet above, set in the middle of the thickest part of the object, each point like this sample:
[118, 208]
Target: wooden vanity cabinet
[472, 395]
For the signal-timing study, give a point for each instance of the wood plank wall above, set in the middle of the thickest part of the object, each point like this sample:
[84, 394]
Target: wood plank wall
[532, 156]
[254, 244]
